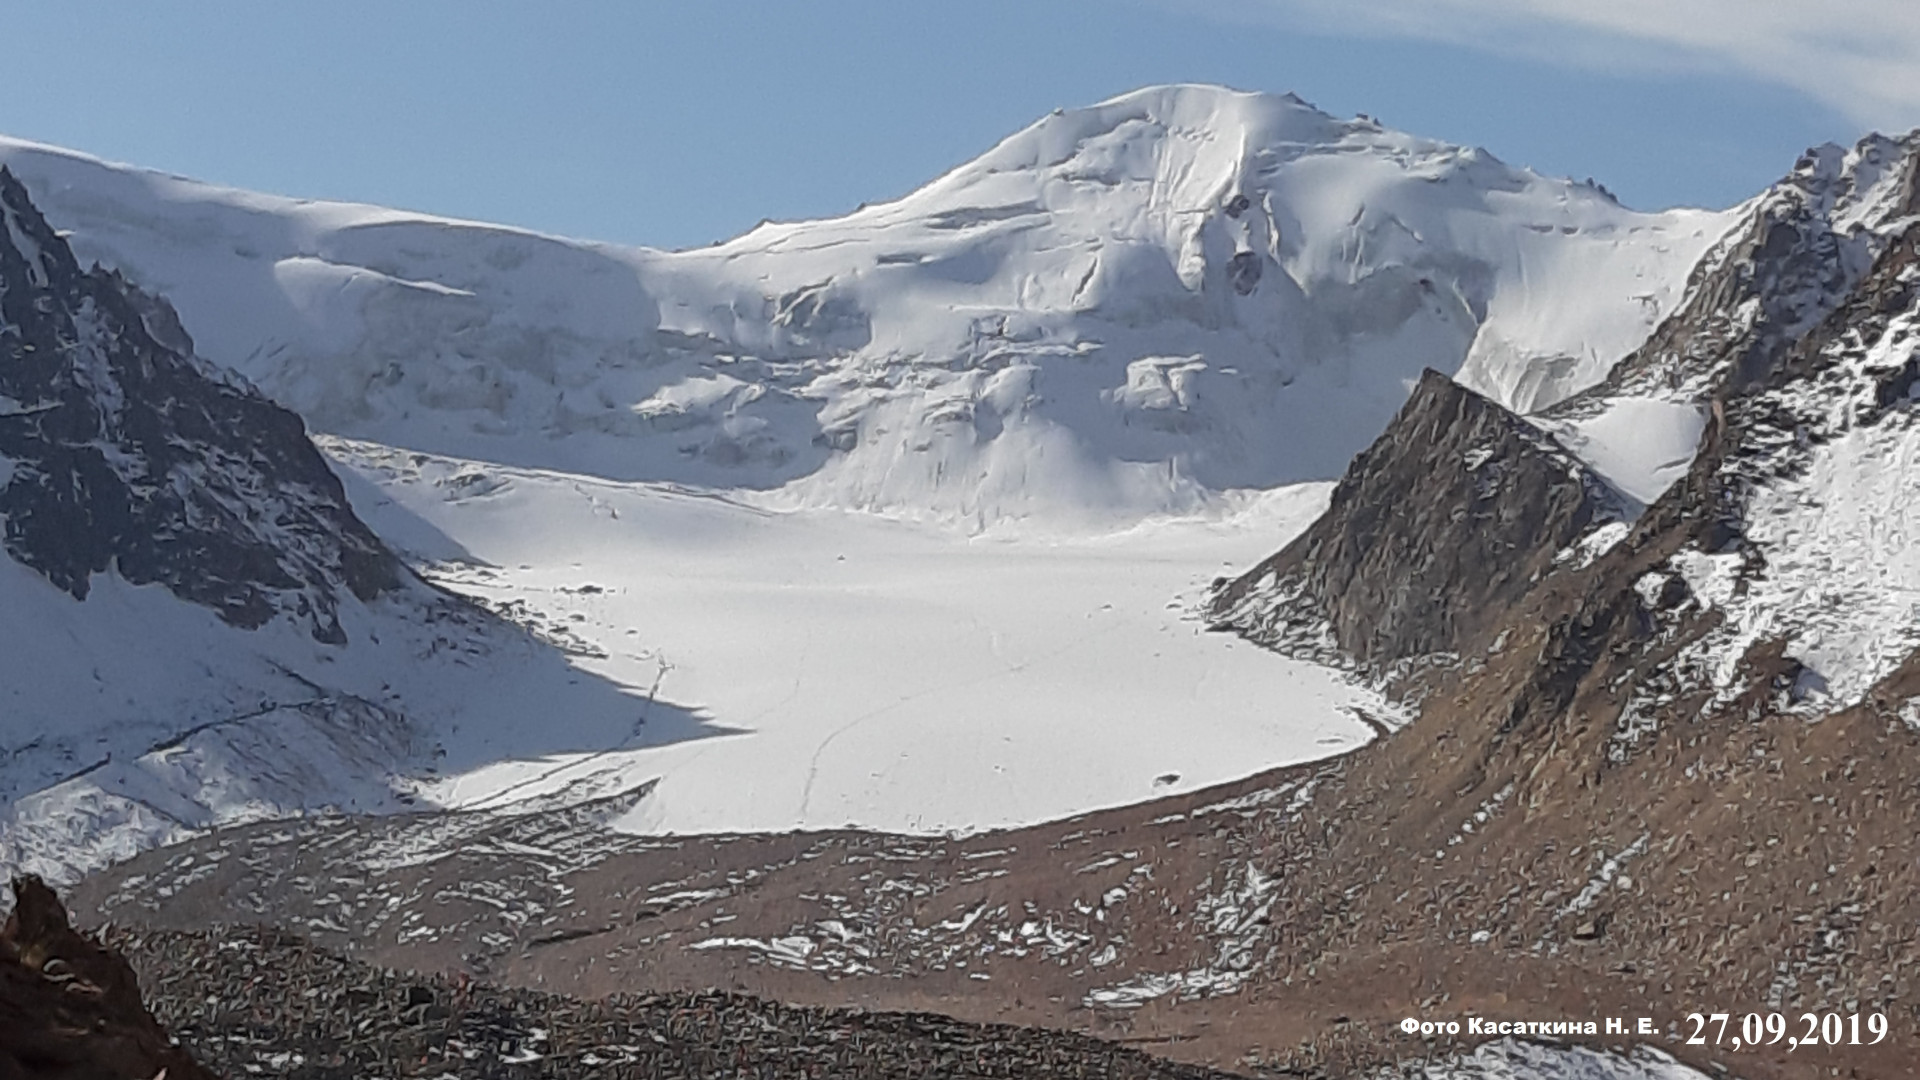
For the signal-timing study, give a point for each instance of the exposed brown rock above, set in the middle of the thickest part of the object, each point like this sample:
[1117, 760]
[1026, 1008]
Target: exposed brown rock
[69, 1008]
[1436, 530]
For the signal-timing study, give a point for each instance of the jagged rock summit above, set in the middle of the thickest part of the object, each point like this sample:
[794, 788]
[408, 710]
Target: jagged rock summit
[1436, 530]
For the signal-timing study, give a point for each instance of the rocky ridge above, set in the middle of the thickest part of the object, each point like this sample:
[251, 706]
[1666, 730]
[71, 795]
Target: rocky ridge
[124, 451]
[1434, 532]
[1802, 249]
[1715, 706]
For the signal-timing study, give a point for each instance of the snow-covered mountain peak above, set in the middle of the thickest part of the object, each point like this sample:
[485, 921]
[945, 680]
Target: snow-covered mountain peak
[1125, 309]
[1127, 138]
[1197, 145]
[1190, 288]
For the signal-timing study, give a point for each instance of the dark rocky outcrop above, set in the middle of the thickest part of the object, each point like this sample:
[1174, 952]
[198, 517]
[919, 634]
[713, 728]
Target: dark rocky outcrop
[1436, 529]
[120, 451]
[69, 1008]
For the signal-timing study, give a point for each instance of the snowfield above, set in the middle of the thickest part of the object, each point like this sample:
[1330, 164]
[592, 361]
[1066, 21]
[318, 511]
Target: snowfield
[1638, 445]
[134, 719]
[861, 671]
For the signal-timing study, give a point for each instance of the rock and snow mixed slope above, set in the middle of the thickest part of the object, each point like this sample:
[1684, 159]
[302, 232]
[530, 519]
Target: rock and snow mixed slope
[1814, 477]
[1121, 310]
[1706, 717]
[197, 628]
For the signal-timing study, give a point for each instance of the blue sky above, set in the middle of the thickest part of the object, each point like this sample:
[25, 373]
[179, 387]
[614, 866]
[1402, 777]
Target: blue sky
[676, 124]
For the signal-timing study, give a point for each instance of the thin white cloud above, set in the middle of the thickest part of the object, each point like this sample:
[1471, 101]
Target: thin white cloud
[1861, 57]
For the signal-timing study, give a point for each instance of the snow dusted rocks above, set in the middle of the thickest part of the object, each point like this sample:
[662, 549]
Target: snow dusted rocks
[1684, 744]
[1818, 269]
[259, 1003]
[1122, 310]
[1792, 257]
[1815, 532]
[1795, 337]
[131, 455]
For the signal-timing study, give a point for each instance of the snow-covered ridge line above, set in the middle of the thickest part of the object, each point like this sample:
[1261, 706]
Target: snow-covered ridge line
[1122, 310]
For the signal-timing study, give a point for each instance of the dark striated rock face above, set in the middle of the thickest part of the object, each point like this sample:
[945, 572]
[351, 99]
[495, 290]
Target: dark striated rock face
[71, 1009]
[119, 450]
[1436, 529]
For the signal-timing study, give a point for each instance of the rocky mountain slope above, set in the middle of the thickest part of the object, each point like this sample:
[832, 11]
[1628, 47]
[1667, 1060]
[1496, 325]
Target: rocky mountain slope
[1121, 310]
[125, 453]
[1665, 739]
[1717, 704]
[261, 1003]
[198, 628]
[1436, 530]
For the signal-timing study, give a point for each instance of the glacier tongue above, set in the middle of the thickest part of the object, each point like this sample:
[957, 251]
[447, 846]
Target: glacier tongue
[1122, 310]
